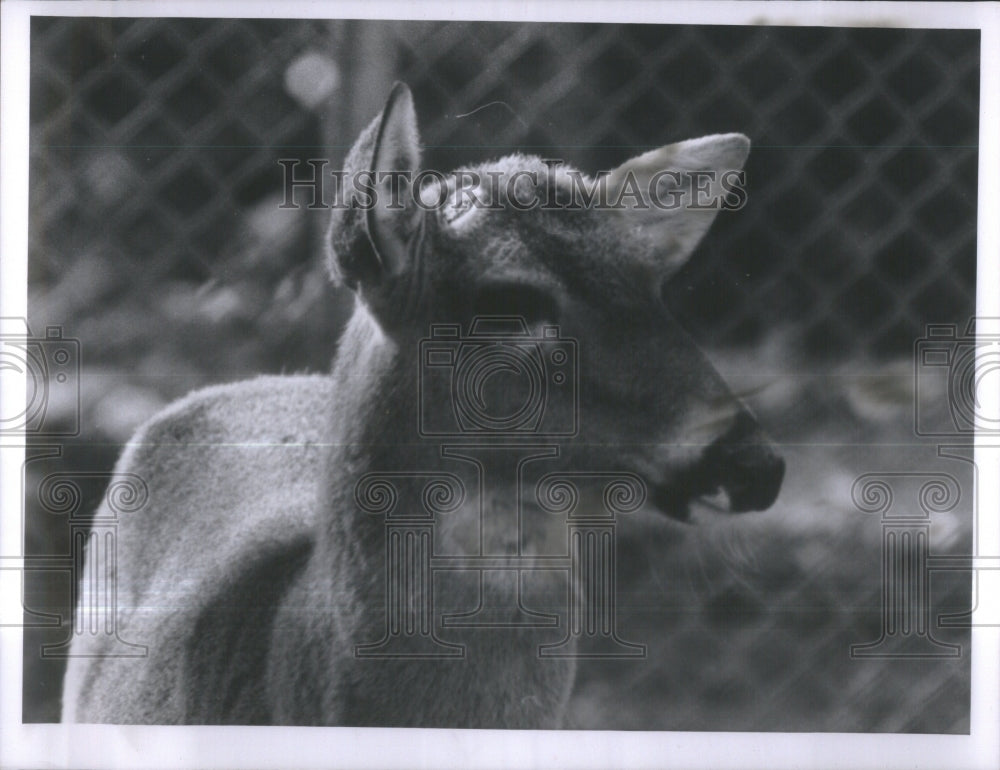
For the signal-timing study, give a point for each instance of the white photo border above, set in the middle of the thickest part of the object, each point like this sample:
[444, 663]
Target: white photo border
[35, 745]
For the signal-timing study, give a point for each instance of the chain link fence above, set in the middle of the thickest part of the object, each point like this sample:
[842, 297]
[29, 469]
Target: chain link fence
[156, 238]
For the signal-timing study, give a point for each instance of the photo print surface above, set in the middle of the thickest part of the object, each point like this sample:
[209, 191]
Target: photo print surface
[562, 375]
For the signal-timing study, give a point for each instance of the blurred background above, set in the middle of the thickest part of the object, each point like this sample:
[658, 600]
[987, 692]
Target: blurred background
[156, 239]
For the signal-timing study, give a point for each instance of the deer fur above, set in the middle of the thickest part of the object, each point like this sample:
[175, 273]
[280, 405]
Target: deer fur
[251, 576]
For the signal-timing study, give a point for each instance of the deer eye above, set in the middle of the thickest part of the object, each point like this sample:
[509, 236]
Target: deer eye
[534, 304]
[455, 209]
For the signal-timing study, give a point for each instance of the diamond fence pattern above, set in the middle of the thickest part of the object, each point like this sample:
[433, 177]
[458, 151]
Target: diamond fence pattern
[862, 181]
[156, 238]
[152, 142]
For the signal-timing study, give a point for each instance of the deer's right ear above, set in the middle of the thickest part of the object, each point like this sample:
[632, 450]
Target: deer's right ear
[372, 238]
[675, 230]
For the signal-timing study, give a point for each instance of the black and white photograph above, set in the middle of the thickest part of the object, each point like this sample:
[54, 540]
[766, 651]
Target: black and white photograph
[626, 385]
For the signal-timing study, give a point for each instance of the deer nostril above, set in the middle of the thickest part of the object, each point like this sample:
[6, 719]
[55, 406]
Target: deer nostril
[754, 479]
[742, 463]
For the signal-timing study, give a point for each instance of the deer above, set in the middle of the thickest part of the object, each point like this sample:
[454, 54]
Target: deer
[251, 587]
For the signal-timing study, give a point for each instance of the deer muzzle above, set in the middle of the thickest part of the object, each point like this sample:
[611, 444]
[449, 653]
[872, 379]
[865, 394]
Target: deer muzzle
[742, 463]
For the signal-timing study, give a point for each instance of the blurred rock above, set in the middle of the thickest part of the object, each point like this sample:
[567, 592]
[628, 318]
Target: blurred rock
[311, 78]
[121, 410]
[108, 175]
[880, 393]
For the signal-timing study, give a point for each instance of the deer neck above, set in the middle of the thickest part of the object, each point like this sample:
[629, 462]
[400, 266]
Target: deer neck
[377, 412]
[376, 400]
[373, 419]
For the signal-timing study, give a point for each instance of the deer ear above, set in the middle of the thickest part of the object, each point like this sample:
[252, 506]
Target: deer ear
[682, 187]
[371, 238]
[392, 221]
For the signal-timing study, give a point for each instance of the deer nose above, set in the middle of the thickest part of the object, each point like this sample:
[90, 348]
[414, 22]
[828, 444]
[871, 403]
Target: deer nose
[747, 466]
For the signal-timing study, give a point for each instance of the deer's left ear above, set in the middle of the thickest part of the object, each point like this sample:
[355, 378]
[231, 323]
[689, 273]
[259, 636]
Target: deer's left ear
[395, 161]
[682, 185]
[370, 240]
